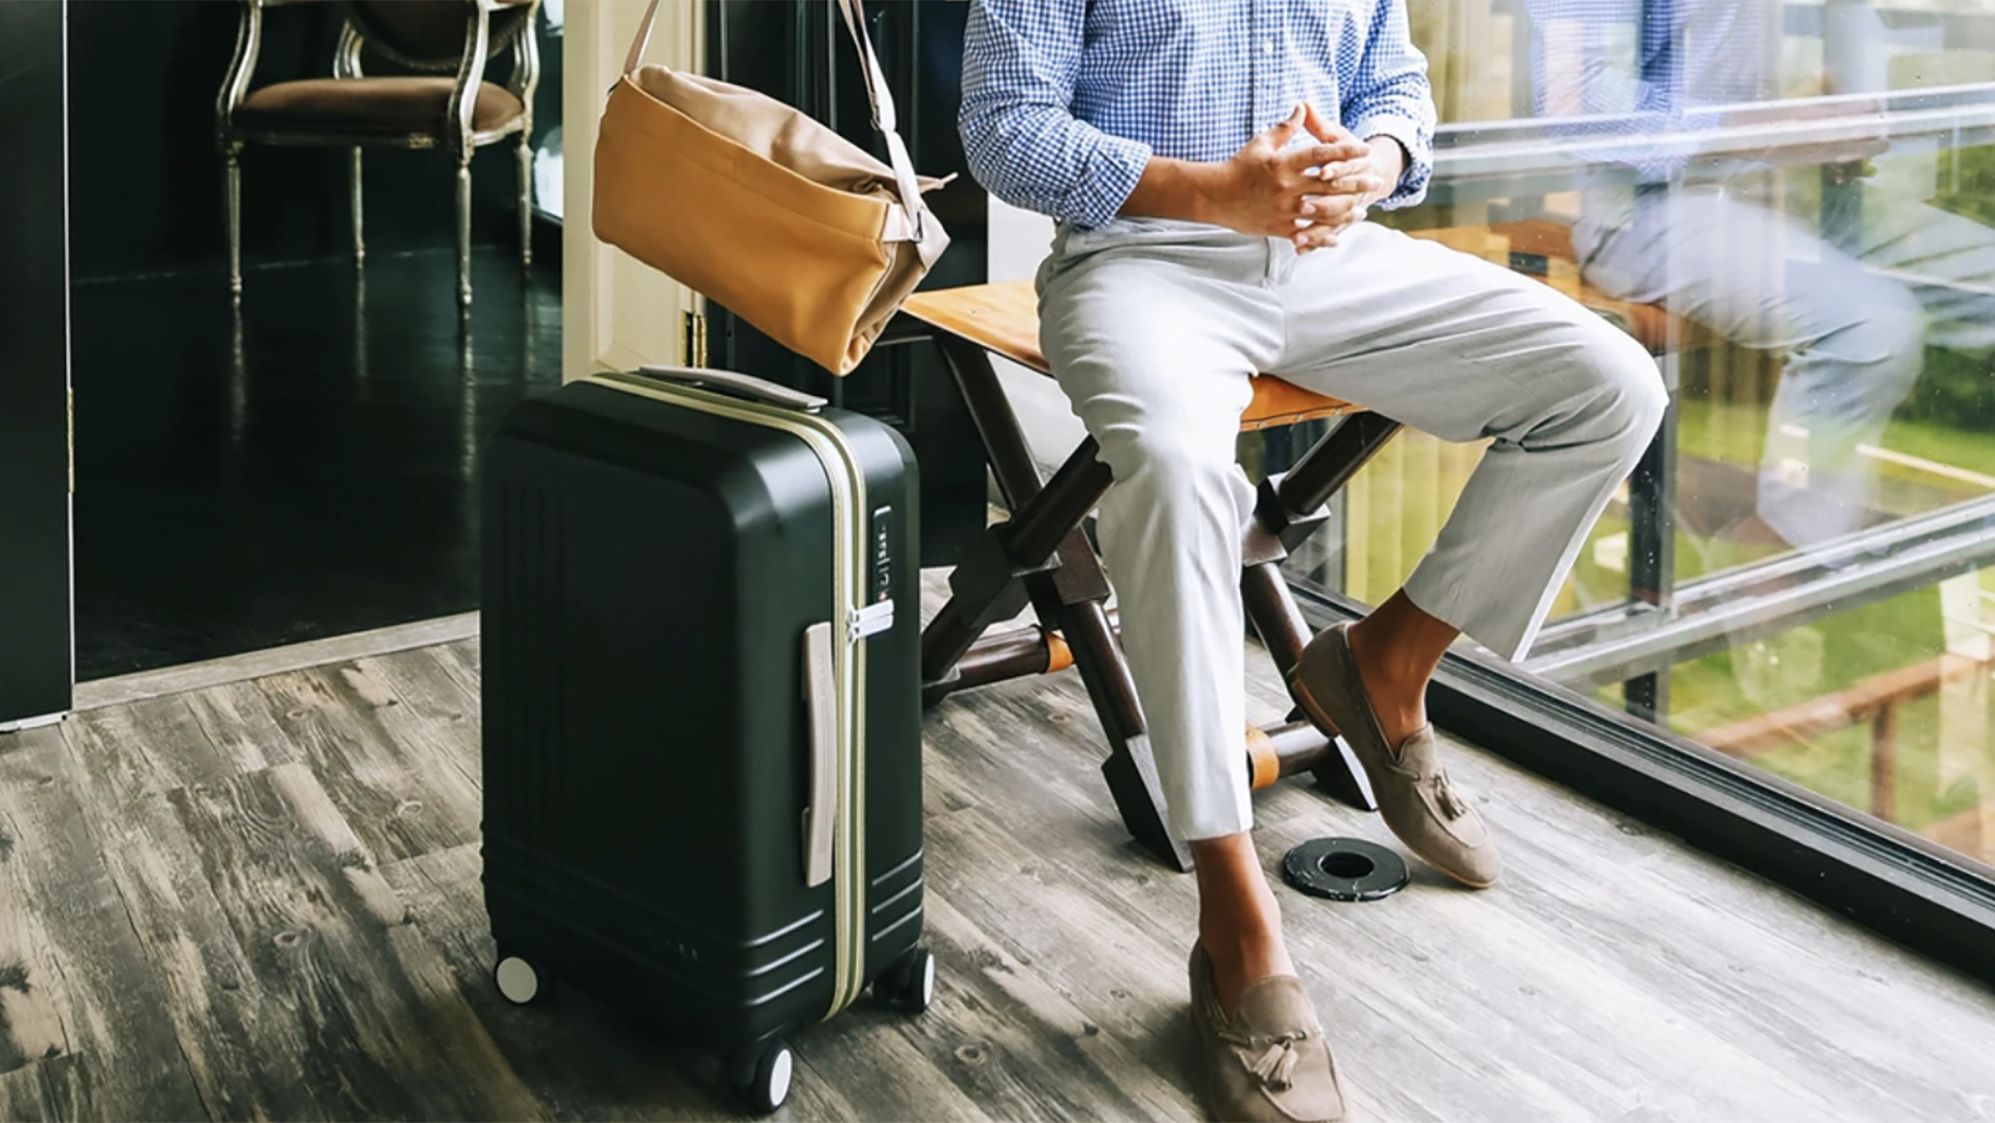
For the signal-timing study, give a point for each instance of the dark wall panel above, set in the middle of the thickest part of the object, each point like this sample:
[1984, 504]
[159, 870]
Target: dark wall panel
[147, 190]
[798, 51]
[34, 379]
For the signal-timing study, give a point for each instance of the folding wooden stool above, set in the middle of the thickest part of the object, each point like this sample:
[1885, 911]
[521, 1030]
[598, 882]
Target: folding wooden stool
[1040, 556]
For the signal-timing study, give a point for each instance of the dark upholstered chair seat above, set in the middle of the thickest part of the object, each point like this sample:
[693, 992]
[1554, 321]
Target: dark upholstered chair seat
[447, 105]
[371, 105]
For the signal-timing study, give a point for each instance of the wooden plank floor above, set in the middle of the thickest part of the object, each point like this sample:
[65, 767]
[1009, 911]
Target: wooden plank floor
[260, 899]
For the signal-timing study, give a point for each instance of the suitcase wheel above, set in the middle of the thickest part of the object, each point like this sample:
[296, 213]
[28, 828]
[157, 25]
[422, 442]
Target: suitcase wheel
[909, 984]
[516, 980]
[763, 1085]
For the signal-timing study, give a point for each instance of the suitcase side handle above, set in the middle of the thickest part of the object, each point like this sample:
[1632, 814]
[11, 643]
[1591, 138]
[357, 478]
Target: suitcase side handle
[738, 385]
[820, 694]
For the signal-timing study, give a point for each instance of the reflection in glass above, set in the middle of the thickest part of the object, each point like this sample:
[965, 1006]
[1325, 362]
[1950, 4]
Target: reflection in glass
[1846, 303]
[1793, 205]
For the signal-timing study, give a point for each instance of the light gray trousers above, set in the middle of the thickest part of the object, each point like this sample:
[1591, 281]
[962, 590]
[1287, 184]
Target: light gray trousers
[1154, 329]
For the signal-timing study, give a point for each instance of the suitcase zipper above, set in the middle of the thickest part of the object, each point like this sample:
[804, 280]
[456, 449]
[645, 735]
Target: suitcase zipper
[848, 507]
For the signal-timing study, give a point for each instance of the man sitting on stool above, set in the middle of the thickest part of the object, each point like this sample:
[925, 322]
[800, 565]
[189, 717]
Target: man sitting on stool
[1211, 226]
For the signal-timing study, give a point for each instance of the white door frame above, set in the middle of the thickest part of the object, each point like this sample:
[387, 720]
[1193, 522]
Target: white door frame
[615, 311]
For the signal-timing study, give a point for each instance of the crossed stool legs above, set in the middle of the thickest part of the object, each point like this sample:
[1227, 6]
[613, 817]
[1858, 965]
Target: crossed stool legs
[1154, 330]
[1040, 557]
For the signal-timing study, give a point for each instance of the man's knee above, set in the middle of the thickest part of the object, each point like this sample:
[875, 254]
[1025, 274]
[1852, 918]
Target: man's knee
[1177, 490]
[1630, 385]
[1156, 415]
[1174, 453]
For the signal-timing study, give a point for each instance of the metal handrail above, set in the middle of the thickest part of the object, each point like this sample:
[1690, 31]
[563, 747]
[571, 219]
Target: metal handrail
[1714, 612]
[1964, 114]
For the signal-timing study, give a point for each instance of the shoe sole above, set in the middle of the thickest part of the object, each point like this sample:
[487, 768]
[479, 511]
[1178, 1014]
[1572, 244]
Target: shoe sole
[1312, 709]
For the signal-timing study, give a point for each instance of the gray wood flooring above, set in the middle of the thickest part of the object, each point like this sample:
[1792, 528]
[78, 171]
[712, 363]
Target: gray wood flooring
[260, 899]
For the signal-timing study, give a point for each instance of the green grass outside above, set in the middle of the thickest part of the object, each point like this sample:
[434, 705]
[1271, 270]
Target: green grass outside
[1733, 433]
[1951, 421]
[1822, 657]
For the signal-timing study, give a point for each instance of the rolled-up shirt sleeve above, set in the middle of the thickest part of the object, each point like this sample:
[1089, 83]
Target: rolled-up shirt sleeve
[1389, 96]
[1021, 139]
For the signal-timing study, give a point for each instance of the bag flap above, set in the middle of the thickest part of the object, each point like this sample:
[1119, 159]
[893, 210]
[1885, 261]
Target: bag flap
[772, 130]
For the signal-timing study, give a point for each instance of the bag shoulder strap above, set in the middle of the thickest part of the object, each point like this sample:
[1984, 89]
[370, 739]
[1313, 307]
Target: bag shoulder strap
[885, 118]
[641, 40]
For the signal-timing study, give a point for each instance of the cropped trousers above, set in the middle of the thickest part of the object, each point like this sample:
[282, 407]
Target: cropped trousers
[1154, 329]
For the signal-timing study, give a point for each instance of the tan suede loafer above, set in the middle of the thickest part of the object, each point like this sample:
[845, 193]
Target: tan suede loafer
[1269, 1063]
[1415, 797]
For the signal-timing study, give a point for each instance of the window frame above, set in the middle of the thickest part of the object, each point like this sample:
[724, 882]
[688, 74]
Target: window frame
[1888, 879]
[1903, 886]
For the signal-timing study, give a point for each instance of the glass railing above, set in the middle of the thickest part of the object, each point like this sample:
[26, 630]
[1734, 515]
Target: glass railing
[1793, 207]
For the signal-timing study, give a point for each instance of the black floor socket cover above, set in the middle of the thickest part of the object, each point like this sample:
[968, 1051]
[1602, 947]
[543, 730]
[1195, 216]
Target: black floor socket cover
[1345, 869]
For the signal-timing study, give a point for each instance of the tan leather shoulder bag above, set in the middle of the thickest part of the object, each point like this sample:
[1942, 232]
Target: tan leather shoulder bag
[762, 208]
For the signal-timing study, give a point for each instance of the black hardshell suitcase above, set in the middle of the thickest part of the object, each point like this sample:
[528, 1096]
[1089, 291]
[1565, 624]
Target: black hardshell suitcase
[701, 706]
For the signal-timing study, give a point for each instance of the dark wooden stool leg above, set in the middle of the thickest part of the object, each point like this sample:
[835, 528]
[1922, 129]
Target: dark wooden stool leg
[1290, 510]
[1290, 502]
[1004, 441]
[1130, 768]
[988, 585]
[1067, 595]
[983, 590]
[1279, 621]
[1652, 555]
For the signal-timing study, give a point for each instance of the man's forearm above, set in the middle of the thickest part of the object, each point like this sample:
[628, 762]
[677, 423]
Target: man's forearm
[1187, 189]
[1175, 189]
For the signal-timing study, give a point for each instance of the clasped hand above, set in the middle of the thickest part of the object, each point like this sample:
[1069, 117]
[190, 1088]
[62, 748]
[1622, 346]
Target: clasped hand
[1308, 194]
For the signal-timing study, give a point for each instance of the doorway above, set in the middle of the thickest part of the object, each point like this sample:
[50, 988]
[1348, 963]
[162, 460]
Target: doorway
[301, 465]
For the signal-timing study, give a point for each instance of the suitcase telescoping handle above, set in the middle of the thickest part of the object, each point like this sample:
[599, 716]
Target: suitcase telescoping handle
[738, 385]
[820, 816]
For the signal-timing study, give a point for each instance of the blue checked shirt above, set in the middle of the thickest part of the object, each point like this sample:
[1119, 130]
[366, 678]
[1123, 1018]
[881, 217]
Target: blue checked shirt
[1065, 101]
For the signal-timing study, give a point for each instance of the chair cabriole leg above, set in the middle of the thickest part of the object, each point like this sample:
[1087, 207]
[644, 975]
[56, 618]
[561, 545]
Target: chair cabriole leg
[525, 159]
[464, 233]
[232, 218]
[354, 181]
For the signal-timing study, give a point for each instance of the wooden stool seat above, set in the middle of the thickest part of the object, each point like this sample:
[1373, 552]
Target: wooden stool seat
[1003, 319]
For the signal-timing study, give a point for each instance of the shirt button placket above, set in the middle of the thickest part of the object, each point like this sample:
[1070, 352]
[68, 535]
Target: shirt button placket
[1267, 97]
[1264, 27]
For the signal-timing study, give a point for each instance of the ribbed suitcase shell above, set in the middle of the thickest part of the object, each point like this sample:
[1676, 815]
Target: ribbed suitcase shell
[649, 572]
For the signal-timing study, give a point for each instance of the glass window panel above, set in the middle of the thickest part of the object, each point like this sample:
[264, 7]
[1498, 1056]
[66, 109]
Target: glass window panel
[1793, 205]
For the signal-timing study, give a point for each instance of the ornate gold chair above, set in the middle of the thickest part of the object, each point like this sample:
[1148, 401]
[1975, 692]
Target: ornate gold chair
[447, 104]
